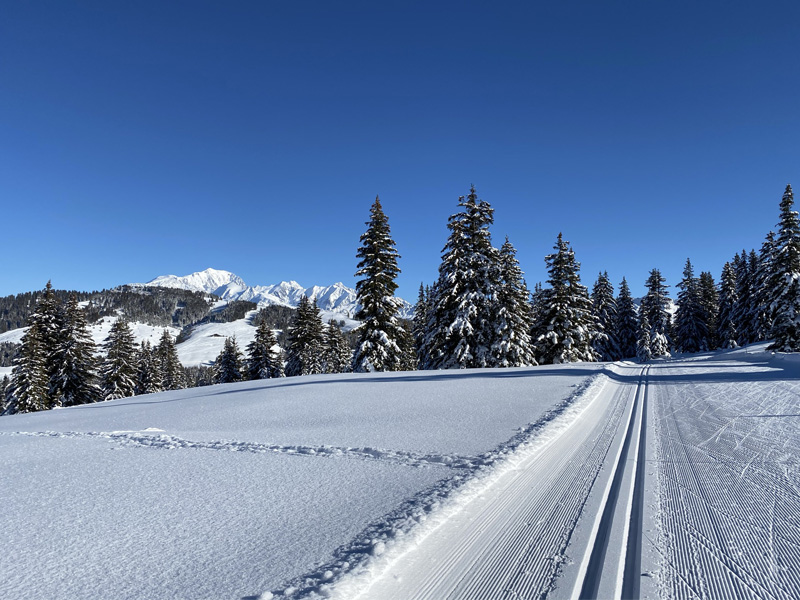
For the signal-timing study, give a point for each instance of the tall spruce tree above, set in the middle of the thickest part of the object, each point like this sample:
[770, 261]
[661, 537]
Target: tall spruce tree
[512, 346]
[420, 324]
[75, 378]
[148, 371]
[785, 280]
[381, 333]
[119, 367]
[263, 360]
[726, 321]
[709, 301]
[229, 362]
[655, 306]
[763, 290]
[605, 309]
[461, 327]
[49, 318]
[691, 332]
[567, 320]
[627, 323]
[743, 313]
[305, 341]
[29, 388]
[338, 357]
[643, 350]
[173, 375]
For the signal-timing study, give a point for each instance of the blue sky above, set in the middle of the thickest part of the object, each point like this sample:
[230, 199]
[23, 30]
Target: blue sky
[146, 138]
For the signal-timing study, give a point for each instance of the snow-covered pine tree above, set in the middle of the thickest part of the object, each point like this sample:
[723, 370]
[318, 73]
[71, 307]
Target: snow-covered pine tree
[118, 370]
[709, 301]
[264, 361]
[743, 314]
[305, 341]
[785, 281]
[605, 309]
[408, 350]
[378, 347]
[173, 376]
[569, 325]
[726, 324]
[148, 371]
[337, 357]
[763, 289]
[49, 318]
[643, 351]
[461, 319]
[691, 332]
[654, 305]
[29, 388]
[75, 380]
[228, 364]
[512, 346]
[627, 324]
[420, 322]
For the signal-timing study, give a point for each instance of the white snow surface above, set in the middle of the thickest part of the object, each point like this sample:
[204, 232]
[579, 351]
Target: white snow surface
[235, 490]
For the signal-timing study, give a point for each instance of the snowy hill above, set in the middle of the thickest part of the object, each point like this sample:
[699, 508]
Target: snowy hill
[336, 298]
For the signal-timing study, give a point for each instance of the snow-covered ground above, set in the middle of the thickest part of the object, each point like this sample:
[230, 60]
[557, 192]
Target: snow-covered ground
[230, 491]
[680, 479]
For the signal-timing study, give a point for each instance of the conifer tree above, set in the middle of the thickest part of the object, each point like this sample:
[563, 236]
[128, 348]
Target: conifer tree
[743, 314]
[173, 376]
[228, 364]
[420, 323]
[512, 346]
[119, 367]
[627, 323]
[76, 379]
[726, 323]
[643, 351]
[709, 302]
[305, 341]
[569, 325]
[691, 329]
[655, 305]
[49, 318]
[263, 361]
[461, 320]
[338, 357]
[785, 280]
[605, 309]
[378, 347]
[763, 289]
[148, 371]
[409, 361]
[28, 390]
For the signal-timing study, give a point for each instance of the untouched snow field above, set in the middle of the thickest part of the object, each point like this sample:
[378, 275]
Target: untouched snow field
[230, 491]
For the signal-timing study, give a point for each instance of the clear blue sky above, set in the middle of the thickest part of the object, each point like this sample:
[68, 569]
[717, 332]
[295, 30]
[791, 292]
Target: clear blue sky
[145, 138]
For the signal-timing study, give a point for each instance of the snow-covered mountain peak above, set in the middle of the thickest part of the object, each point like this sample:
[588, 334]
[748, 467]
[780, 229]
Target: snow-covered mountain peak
[337, 298]
[212, 281]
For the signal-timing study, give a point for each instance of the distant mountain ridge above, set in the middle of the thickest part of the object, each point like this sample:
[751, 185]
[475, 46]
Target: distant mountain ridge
[336, 298]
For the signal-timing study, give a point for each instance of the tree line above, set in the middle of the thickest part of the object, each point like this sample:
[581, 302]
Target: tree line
[478, 313]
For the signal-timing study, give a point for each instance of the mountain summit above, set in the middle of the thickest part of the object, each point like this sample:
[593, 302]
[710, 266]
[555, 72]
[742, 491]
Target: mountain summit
[336, 298]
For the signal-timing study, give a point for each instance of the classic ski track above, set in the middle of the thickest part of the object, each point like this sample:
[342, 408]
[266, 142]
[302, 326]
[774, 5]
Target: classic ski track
[171, 442]
[511, 541]
[624, 485]
[729, 531]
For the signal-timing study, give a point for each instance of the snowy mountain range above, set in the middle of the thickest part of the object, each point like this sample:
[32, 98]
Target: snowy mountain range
[336, 298]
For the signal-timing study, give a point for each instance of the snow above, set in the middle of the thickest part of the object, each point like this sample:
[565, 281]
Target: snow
[232, 491]
[471, 483]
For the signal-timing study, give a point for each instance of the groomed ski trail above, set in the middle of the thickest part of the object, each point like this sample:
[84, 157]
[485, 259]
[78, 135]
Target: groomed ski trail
[513, 540]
